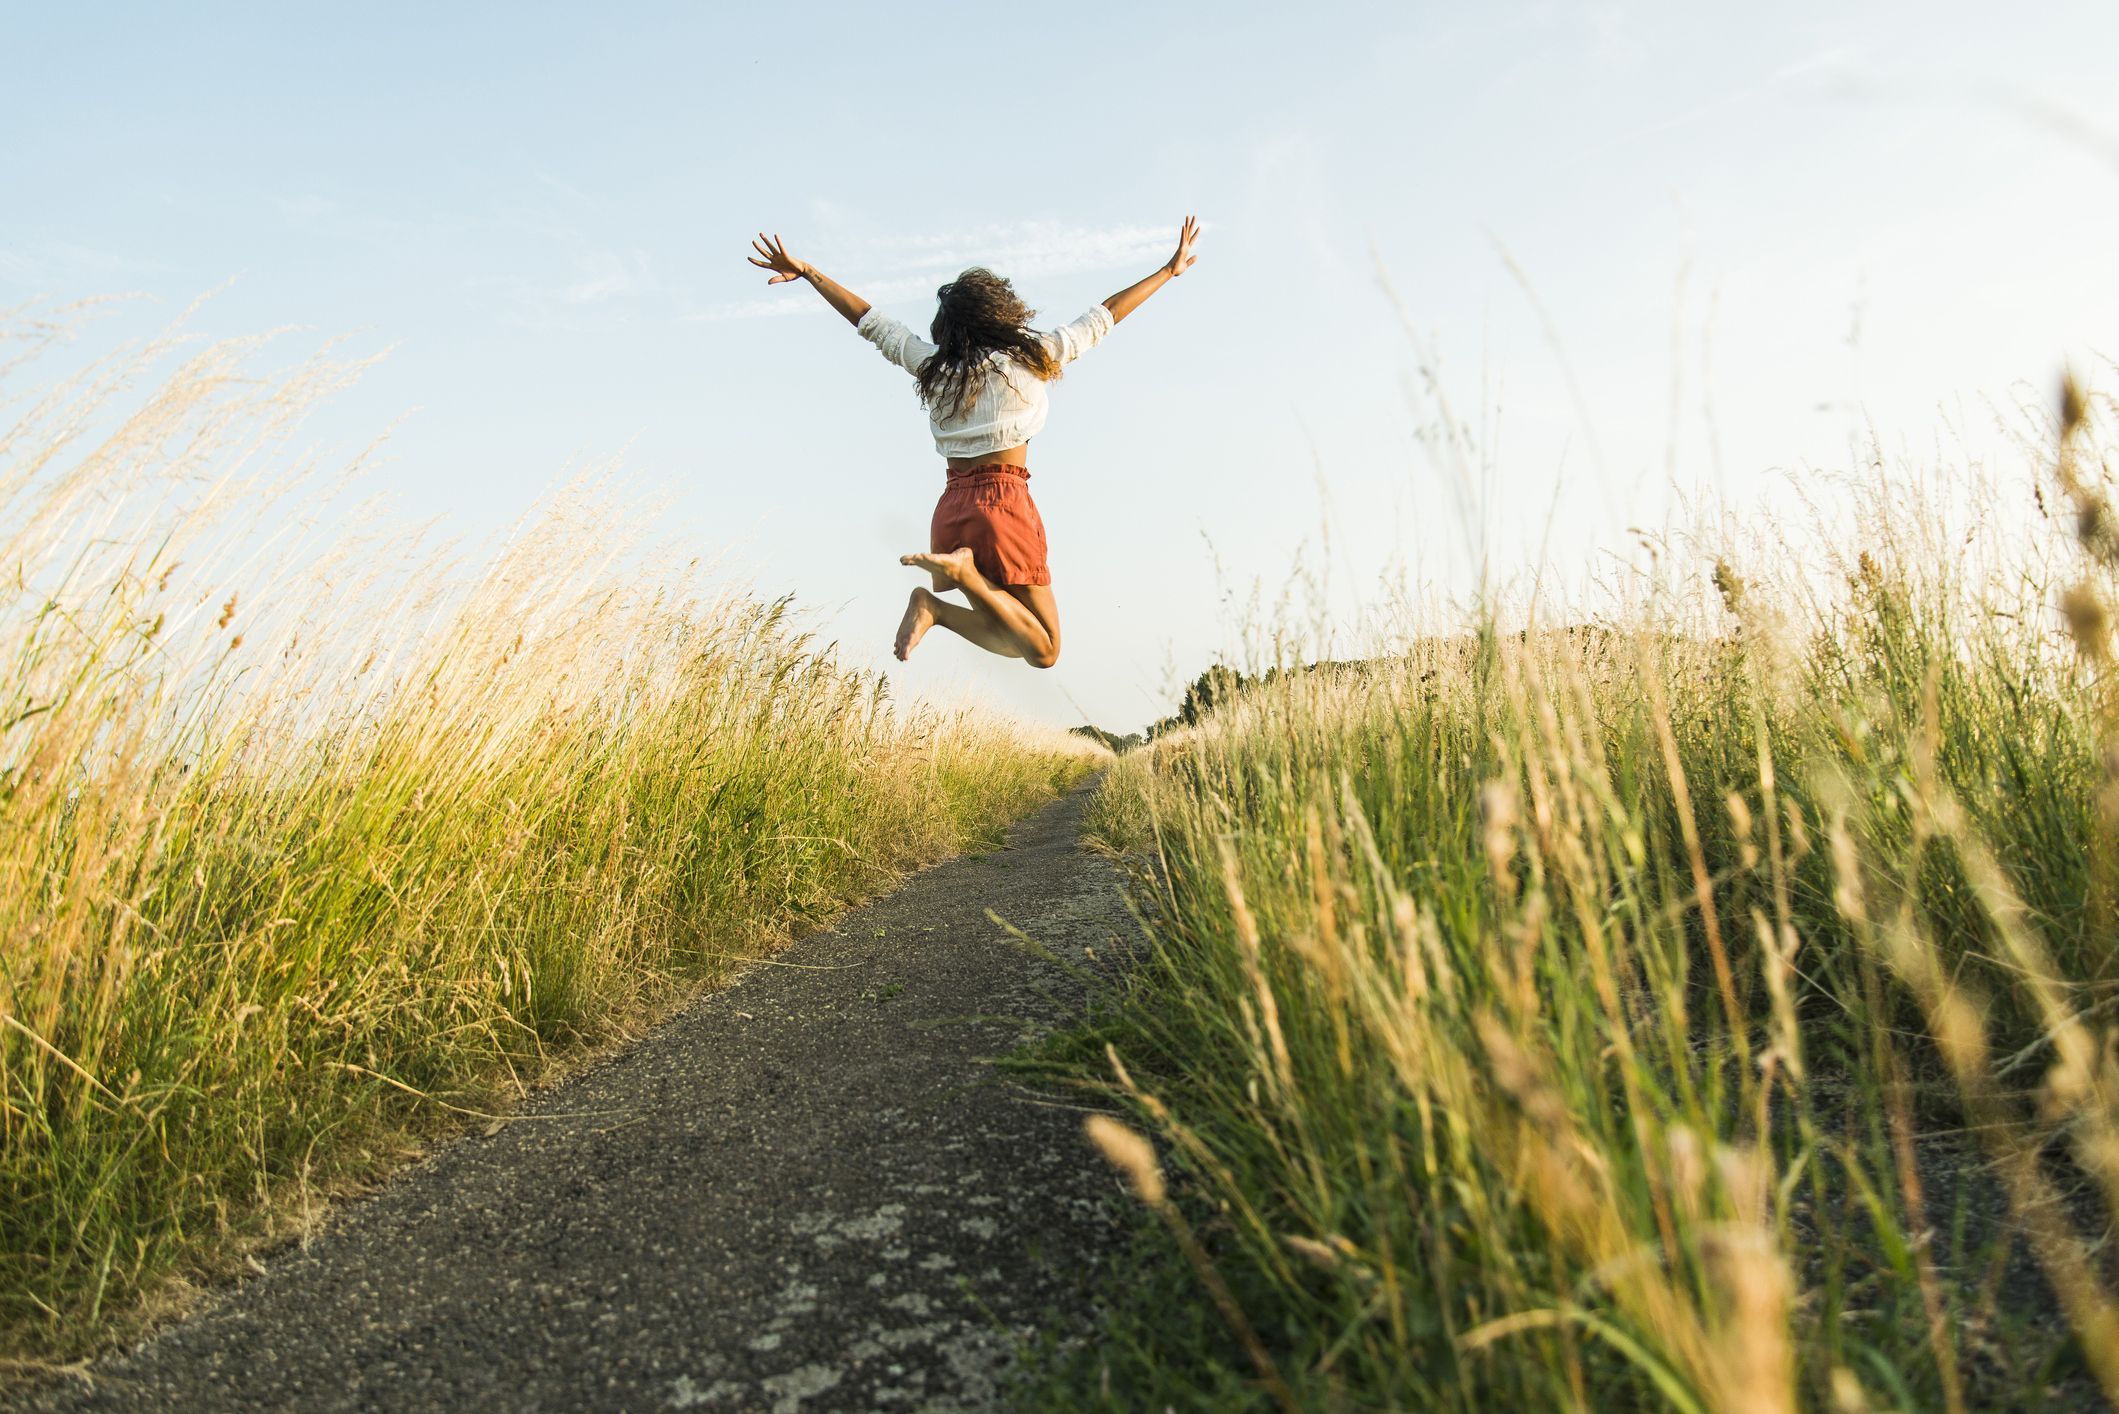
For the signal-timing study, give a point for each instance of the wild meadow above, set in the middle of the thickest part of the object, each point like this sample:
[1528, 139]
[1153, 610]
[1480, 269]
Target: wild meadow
[315, 841]
[1706, 1002]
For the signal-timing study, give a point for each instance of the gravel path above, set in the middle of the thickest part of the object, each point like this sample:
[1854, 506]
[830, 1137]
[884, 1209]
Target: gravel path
[808, 1191]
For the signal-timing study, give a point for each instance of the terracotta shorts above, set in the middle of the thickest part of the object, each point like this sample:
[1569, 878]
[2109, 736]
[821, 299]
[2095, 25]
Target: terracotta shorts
[989, 509]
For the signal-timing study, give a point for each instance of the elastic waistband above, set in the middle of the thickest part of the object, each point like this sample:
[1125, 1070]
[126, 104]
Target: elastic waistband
[989, 469]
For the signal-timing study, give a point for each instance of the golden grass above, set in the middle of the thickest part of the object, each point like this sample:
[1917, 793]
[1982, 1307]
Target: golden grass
[1706, 1008]
[313, 839]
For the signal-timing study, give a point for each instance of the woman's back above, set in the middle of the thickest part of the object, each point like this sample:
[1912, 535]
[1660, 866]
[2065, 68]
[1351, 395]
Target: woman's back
[1004, 404]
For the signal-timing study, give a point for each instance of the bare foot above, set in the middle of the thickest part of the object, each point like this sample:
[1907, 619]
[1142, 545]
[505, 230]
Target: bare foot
[954, 566]
[919, 617]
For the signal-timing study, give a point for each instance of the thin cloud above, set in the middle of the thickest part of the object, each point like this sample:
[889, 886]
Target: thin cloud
[1835, 63]
[606, 285]
[1032, 247]
[909, 267]
[2060, 120]
[759, 309]
[51, 266]
[303, 208]
[608, 275]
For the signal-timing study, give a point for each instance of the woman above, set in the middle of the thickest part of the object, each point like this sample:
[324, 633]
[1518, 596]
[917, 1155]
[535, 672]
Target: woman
[982, 380]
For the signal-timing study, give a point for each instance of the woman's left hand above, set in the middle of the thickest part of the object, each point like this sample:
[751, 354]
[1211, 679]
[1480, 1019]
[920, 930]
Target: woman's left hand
[784, 266]
[1182, 261]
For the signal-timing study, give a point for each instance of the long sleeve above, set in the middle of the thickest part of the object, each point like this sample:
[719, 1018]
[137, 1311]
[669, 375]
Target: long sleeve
[1070, 341]
[899, 344]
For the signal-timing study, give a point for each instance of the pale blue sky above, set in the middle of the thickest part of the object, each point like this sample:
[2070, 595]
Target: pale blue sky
[1804, 209]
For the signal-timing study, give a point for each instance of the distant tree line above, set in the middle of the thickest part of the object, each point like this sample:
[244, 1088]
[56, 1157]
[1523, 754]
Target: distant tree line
[1218, 684]
[1111, 740]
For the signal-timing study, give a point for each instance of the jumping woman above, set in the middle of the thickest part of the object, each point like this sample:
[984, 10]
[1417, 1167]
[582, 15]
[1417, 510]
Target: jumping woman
[982, 381]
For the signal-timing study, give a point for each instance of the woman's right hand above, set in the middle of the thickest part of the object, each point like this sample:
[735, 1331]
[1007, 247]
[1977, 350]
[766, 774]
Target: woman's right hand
[776, 259]
[1182, 261]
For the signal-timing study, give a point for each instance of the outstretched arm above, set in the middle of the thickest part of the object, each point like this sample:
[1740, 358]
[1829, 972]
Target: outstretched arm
[1134, 295]
[786, 267]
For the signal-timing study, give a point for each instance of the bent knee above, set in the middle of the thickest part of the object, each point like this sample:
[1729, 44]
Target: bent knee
[1043, 657]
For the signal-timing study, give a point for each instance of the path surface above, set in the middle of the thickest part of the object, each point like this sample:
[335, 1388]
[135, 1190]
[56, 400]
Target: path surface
[807, 1191]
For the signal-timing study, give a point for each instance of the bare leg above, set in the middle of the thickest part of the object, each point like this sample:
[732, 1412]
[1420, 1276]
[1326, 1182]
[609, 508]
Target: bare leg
[966, 621]
[1014, 621]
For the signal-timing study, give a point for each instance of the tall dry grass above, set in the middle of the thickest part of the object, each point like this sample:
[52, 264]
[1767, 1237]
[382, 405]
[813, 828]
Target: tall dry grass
[313, 839]
[1709, 1007]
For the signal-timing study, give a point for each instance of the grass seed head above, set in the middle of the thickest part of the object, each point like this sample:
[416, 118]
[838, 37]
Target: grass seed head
[2095, 528]
[1848, 1397]
[1732, 586]
[1688, 1169]
[1118, 1067]
[1756, 1358]
[1740, 824]
[1131, 1155]
[1739, 815]
[1846, 875]
[1798, 832]
[1961, 1033]
[1317, 1254]
[1497, 815]
[2087, 621]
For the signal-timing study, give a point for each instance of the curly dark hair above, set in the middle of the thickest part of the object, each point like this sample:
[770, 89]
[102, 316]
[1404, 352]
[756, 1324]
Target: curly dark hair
[978, 313]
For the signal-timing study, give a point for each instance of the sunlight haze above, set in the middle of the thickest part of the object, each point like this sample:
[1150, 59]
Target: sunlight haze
[1742, 237]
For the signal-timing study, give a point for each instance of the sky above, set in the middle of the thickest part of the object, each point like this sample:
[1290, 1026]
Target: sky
[1649, 252]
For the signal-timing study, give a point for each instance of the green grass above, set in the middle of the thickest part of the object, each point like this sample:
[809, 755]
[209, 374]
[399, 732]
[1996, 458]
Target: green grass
[1711, 1008]
[315, 845]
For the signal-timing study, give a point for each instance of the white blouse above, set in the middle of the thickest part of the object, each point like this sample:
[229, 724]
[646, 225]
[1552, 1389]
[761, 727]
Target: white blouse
[1008, 404]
